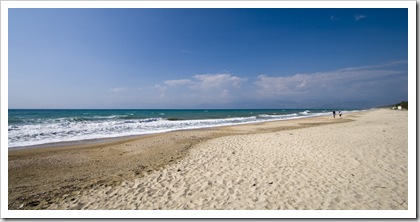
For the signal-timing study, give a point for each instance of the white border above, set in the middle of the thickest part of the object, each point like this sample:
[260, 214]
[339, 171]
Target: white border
[3, 108]
[210, 214]
[207, 4]
[412, 118]
[410, 213]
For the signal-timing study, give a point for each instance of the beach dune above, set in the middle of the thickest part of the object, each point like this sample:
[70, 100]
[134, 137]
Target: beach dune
[358, 162]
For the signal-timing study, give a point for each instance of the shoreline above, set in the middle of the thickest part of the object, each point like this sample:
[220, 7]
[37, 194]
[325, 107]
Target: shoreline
[93, 141]
[118, 139]
[45, 178]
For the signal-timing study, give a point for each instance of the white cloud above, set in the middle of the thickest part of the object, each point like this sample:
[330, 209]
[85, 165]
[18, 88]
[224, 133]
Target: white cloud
[347, 82]
[225, 93]
[359, 17]
[162, 90]
[334, 18]
[118, 89]
[178, 82]
[364, 83]
[207, 81]
[219, 88]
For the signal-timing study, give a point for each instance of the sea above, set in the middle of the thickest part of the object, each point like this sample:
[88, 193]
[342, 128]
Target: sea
[29, 127]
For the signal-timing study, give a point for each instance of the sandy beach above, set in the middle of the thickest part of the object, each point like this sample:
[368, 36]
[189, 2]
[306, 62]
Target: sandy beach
[357, 162]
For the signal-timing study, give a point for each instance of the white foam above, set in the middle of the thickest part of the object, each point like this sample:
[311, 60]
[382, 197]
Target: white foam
[284, 116]
[67, 130]
[306, 112]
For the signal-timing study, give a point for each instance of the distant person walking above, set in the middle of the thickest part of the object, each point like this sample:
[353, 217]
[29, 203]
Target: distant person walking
[334, 113]
[339, 113]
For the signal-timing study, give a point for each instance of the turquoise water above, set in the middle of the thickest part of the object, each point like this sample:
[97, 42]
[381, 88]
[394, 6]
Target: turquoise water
[34, 127]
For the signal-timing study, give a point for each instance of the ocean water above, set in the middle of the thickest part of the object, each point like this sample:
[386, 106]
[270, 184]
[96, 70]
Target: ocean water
[35, 127]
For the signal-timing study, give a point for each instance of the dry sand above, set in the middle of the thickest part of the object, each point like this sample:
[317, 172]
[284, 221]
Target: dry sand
[358, 163]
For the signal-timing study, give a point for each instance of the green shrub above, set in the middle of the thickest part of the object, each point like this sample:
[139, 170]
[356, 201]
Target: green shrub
[403, 104]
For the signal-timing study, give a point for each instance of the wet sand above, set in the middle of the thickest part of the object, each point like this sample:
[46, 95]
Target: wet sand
[355, 162]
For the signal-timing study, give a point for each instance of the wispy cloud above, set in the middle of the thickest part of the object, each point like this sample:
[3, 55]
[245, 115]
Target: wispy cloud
[207, 81]
[359, 17]
[367, 83]
[344, 83]
[162, 90]
[118, 89]
[178, 82]
[334, 18]
[203, 88]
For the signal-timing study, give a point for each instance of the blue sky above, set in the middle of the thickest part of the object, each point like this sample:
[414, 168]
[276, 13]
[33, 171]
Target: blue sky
[207, 58]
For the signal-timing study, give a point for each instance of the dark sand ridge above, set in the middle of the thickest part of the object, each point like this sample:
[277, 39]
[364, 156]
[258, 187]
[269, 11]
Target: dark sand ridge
[39, 177]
